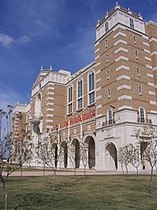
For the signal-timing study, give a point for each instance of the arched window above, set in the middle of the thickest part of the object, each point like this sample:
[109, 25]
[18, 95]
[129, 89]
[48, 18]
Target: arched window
[106, 26]
[142, 114]
[131, 23]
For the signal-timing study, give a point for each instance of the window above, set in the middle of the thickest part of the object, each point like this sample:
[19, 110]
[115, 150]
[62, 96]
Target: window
[110, 117]
[136, 54]
[131, 23]
[107, 58]
[70, 98]
[79, 94]
[134, 39]
[109, 92]
[141, 115]
[107, 74]
[106, 43]
[106, 26]
[138, 71]
[70, 94]
[91, 88]
[140, 90]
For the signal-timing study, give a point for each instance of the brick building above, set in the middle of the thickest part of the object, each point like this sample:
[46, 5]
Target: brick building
[100, 105]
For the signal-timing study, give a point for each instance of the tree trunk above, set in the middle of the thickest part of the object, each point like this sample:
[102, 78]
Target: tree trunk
[21, 170]
[126, 170]
[44, 168]
[54, 183]
[136, 173]
[5, 196]
[151, 181]
[85, 171]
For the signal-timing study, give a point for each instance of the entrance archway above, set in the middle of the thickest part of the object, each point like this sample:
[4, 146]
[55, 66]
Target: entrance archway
[91, 151]
[64, 149]
[76, 146]
[111, 157]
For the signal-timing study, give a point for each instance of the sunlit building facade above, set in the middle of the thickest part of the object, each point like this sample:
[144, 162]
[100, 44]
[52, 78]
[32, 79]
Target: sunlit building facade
[97, 109]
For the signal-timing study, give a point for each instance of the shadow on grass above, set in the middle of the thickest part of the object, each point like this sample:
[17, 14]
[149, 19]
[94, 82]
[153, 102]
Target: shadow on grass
[30, 200]
[33, 200]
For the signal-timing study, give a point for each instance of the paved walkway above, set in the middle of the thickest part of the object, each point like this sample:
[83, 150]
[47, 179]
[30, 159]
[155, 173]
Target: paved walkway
[71, 172]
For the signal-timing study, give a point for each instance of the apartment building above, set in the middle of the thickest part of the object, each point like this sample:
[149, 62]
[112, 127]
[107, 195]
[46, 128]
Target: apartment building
[97, 109]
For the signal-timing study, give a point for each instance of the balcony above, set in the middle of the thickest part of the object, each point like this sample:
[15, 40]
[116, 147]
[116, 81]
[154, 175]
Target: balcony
[144, 120]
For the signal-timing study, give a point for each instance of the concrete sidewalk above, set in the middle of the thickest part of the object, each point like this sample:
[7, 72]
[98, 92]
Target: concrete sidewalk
[70, 172]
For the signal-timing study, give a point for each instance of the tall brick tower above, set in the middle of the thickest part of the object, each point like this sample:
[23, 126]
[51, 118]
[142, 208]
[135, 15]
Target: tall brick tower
[126, 97]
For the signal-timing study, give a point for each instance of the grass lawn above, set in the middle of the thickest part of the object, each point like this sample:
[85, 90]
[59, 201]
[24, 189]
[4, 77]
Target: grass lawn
[94, 192]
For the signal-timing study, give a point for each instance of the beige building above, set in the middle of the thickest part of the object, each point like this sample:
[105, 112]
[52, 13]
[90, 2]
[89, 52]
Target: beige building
[97, 109]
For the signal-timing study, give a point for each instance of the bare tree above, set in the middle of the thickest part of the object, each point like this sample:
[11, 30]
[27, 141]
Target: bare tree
[11, 160]
[148, 136]
[84, 156]
[135, 159]
[48, 152]
[150, 155]
[124, 156]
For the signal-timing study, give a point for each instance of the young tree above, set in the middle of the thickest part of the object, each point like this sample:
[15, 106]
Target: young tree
[84, 156]
[148, 135]
[135, 156]
[125, 156]
[150, 155]
[47, 151]
[11, 160]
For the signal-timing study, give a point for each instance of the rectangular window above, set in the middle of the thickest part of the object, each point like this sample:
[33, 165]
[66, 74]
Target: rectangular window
[80, 104]
[70, 108]
[79, 94]
[138, 71]
[109, 92]
[91, 88]
[70, 98]
[70, 94]
[136, 54]
[79, 88]
[106, 43]
[140, 90]
[91, 98]
[107, 74]
[91, 81]
[107, 58]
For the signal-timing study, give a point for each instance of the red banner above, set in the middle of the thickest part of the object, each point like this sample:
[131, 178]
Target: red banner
[79, 118]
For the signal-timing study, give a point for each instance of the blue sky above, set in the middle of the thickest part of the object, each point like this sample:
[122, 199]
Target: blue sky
[60, 33]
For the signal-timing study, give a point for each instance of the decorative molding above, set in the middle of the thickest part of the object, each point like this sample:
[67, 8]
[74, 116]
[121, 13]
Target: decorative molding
[125, 97]
[151, 93]
[124, 87]
[121, 58]
[147, 58]
[153, 102]
[121, 49]
[149, 75]
[119, 34]
[122, 67]
[146, 44]
[123, 77]
[120, 41]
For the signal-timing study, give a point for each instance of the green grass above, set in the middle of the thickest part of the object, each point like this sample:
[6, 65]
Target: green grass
[94, 192]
